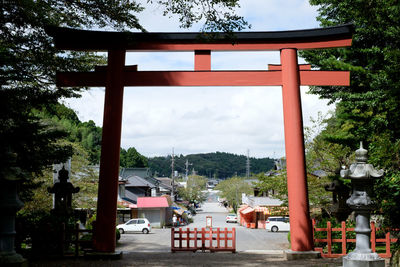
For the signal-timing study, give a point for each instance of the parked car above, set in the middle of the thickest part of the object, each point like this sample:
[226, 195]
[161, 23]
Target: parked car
[135, 225]
[275, 224]
[231, 218]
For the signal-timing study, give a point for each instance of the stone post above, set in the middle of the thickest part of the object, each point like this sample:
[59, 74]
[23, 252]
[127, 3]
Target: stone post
[362, 175]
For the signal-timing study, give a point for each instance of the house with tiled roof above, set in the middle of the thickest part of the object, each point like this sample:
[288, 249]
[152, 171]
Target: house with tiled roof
[137, 185]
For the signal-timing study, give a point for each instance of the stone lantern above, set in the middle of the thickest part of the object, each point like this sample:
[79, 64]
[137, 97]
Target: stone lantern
[63, 191]
[362, 175]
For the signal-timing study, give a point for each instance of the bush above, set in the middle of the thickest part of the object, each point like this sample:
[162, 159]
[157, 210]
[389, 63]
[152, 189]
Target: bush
[92, 220]
[118, 234]
[90, 223]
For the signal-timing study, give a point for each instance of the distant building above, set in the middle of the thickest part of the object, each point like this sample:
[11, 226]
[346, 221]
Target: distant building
[212, 183]
[144, 196]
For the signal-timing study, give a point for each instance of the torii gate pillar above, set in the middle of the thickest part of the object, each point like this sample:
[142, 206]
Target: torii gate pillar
[300, 223]
[104, 236]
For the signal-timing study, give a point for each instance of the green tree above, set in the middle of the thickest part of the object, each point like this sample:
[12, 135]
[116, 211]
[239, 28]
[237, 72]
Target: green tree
[231, 190]
[132, 159]
[193, 190]
[368, 109]
[81, 175]
[29, 62]
[322, 154]
[217, 15]
[369, 106]
[86, 177]
[87, 134]
[277, 186]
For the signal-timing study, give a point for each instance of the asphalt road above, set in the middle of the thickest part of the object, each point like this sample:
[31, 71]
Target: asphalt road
[249, 240]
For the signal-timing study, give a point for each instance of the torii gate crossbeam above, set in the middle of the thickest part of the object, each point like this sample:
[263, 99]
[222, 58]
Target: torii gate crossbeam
[290, 75]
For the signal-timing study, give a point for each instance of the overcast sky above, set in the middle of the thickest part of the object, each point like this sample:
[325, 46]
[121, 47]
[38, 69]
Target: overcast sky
[208, 119]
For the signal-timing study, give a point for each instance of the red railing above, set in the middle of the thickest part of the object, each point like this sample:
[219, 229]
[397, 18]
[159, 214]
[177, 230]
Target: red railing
[210, 239]
[344, 240]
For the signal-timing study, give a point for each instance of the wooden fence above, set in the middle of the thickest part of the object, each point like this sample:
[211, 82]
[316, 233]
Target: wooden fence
[327, 253]
[86, 245]
[76, 240]
[210, 239]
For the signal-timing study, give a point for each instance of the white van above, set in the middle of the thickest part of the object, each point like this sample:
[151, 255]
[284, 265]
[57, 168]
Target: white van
[275, 224]
[135, 225]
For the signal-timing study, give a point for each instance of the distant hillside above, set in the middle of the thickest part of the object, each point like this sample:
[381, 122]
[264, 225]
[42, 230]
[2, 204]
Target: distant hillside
[219, 164]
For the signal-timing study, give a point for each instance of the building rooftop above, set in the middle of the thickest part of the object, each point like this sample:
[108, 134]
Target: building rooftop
[152, 202]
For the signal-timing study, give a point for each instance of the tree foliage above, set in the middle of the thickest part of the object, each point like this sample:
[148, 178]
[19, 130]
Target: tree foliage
[29, 61]
[193, 190]
[130, 158]
[369, 106]
[217, 15]
[87, 134]
[27, 75]
[231, 190]
[276, 186]
[38, 199]
[215, 165]
[367, 110]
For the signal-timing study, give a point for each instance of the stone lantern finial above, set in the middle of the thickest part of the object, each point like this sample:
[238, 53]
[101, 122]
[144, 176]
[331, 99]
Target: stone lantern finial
[361, 154]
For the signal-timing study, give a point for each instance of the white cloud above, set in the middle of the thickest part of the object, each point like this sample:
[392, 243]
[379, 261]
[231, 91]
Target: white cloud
[278, 15]
[208, 119]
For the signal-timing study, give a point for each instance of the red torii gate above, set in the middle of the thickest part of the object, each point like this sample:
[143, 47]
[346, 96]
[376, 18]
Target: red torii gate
[290, 75]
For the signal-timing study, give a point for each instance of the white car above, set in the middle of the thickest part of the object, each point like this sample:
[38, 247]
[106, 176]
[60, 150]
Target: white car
[275, 224]
[135, 225]
[231, 218]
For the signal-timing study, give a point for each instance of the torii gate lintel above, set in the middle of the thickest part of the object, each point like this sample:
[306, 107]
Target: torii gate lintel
[290, 75]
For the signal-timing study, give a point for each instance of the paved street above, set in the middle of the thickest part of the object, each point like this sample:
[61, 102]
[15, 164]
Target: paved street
[250, 240]
[256, 247]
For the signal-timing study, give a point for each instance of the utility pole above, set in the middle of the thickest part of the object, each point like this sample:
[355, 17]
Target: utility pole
[248, 165]
[187, 169]
[173, 176]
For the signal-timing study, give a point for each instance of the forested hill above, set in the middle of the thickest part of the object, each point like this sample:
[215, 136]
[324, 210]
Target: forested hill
[219, 164]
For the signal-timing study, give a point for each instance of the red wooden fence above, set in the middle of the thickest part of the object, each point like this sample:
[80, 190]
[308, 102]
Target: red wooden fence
[210, 239]
[329, 240]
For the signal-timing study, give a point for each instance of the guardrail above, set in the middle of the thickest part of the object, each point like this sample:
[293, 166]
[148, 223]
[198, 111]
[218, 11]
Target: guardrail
[327, 251]
[204, 239]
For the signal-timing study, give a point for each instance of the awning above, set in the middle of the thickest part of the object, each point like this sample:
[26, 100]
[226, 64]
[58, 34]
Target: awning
[127, 204]
[265, 210]
[179, 212]
[247, 210]
[242, 207]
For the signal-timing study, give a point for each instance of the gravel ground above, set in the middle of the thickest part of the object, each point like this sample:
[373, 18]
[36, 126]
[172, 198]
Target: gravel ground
[192, 259]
